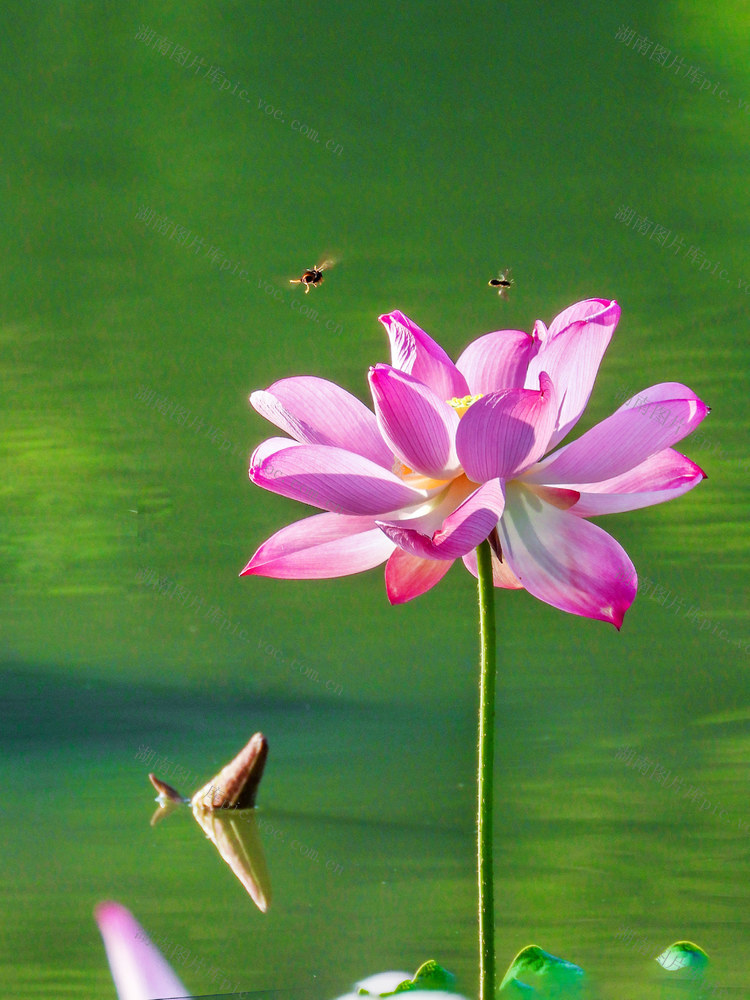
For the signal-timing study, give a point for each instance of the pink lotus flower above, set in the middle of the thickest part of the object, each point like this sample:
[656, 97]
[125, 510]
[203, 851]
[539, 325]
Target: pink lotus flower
[457, 453]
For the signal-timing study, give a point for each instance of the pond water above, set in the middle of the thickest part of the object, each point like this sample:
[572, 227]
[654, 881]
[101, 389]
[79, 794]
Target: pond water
[152, 220]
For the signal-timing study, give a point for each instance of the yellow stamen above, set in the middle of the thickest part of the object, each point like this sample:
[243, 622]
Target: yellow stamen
[462, 404]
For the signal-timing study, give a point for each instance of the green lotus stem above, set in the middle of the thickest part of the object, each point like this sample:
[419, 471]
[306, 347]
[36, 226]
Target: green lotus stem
[488, 669]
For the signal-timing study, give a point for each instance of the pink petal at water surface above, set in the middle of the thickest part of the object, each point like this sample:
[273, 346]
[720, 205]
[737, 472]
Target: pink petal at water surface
[138, 968]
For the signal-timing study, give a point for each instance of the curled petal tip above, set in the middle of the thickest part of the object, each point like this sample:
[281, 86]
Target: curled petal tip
[106, 908]
[389, 315]
[614, 615]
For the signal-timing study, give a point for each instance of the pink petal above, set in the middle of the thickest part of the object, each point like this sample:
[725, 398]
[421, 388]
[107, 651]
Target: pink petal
[540, 332]
[581, 312]
[468, 525]
[497, 361]
[571, 355]
[429, 516]
[505, 432]
[315, 411]
[625, 439]
[565, 561]
[502, 574]
[138, 968]
[321, 547]
[271, 446]
[662, 477]
[563, 499]
[419, 427]
[408, 576]
[413, 352]
[333, 479]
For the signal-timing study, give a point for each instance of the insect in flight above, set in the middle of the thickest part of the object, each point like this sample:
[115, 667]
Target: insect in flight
[312, 275]
[502, 283]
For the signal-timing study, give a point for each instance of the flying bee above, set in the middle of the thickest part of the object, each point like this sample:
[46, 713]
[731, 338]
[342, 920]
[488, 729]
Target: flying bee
[502, 283]
[313, 275]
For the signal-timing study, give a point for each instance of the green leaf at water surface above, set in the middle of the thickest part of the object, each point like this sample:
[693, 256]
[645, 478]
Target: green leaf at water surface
[514, 987]
[429, 976]
[683, 955]
[552, 976]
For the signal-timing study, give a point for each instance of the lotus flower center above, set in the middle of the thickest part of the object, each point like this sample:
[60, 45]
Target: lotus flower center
[416, 479]
[461, 404]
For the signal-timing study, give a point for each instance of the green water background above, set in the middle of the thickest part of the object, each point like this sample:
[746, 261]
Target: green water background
[454, 140]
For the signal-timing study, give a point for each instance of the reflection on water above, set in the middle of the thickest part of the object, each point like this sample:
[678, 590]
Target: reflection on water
[223, 808]
[595, 861]
[237, 840]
